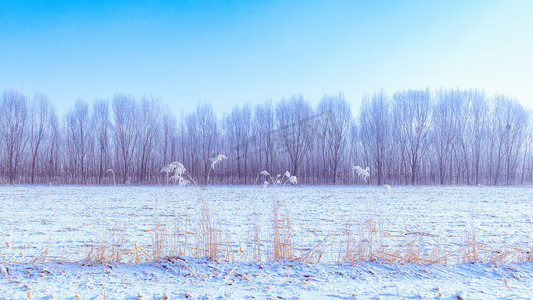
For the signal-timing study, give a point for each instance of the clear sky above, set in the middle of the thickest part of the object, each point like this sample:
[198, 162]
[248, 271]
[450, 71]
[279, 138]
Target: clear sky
[230, 52]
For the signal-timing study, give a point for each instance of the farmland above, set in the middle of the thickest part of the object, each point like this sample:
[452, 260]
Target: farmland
[48, 234]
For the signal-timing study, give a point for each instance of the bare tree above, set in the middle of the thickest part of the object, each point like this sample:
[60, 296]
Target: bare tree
[478, 110]
[295, 124]
[335, 118]
[78, 135]
[464, 137]
[169, 137]
[375, 131]
[356, 152]
[200, 140]
[237, 127]
[40, 112]
[126, 132]
[191, 143]
[101, 123]
[443, 134]
[207, 135]
[412, 117]
[148, 127]
[509, 122]
[13, 120]
[53, 147]
[264, 136]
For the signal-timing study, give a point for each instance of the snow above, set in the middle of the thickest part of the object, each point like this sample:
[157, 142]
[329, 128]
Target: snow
[202, 278]
[65, 219]
[3, 271]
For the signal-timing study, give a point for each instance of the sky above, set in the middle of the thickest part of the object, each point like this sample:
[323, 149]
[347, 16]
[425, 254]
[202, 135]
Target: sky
[235, 52]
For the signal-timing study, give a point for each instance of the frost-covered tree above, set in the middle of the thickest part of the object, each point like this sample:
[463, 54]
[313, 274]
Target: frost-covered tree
[39, 120]
[375, 131]
[148, 127]
[411, 112]
[101, 123]
[450, 136]
[334, 121]
[78, 137]
[169, 131]
[13, 123]
[296, 128]
[126, 132]
[237, 129]
[509, 120]
[264, 137]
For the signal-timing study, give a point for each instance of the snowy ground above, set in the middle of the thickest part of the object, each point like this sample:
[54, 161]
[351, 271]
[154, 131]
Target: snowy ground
[202, 279]
[46, 233]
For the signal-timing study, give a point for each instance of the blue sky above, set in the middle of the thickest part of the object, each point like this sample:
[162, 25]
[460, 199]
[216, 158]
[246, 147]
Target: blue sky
[233, 52]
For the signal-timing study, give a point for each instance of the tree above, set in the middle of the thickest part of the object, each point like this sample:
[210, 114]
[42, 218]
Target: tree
[509, 121]
[295, 123]
[450, 136]
[335, 118]
[126, 132]
[443, 131]
[40, 114]
[237, 127]
[375, 131]
[478, 110]
[53, 147]
[100, 124]
[412, 117]
[169, 137]
[264, 121]
[207, 135]
[148, 127]
[78, 136]
[201, 138]
[13, 121]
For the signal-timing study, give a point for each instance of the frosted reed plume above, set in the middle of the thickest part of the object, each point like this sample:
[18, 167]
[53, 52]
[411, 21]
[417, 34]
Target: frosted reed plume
[362, 173]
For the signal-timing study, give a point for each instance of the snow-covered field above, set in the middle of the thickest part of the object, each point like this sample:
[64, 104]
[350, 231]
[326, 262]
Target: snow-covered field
[50, 238]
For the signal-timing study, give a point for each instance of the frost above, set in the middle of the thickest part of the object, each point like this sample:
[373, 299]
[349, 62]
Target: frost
[362, 173]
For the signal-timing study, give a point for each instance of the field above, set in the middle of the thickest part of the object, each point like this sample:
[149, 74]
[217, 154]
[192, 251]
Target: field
[282, 242]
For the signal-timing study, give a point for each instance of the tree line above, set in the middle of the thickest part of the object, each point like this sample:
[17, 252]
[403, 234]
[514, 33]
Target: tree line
[447, 136]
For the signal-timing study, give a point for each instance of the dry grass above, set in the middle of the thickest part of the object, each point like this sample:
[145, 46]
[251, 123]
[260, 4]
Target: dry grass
[362, 242]
[314, 255]
[526, 256]
[207, 235]
[109, 247]
[471, 250]
[158, 239]
[281, 247]
[282, 240]
[42, 255]
[257, 244]
[202, 236]
[367, 241]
